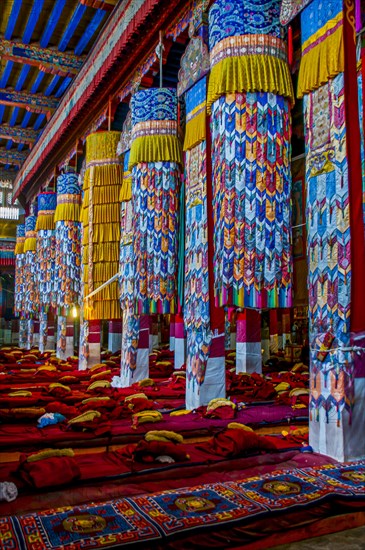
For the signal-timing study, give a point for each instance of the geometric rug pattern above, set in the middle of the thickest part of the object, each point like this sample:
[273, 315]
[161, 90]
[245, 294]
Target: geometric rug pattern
[147, 518]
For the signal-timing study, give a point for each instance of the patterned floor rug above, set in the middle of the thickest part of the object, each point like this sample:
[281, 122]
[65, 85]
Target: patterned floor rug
[151, 519]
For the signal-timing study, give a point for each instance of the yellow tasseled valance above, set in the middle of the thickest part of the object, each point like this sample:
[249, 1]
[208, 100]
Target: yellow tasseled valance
[125, 194]
[195, 130]
[103, 252]
[322, 56]
[45, 221]
[249, 73]
[157, 148]
[101, 146]
[19, 246]
[67, 212]
[30, 244]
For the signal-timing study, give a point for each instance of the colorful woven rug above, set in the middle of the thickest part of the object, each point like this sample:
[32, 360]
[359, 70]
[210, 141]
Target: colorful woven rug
[143, 519]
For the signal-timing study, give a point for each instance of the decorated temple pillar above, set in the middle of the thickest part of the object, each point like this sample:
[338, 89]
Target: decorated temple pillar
[36, 333]
[15, 331]
[204, 323]
[46, 254]
[248, 345]
[65, 336]
[274, 333]
[130, 331]
[51, 340]
[172, 333]
[115, 335]
[180, 342]
[336, 247]
[30, 334]
[43, 331]
[31, 294]
[19, 294]
[249, 96]
[94, 343]
[142, 366]
[68, 259]
[153, 332]
[101, 235]
[286, 326]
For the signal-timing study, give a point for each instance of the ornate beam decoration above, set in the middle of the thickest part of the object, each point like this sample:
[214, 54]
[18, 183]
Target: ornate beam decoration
[46, 59]
[12, 156]
[18, 134]
[7, 177]
[35, 103]
[107, 5]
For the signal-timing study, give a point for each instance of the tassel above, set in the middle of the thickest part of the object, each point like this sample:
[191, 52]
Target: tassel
[290, 46]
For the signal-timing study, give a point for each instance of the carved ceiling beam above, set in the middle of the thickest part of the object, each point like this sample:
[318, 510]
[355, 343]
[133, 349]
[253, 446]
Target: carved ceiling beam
[107, 5]
[46, 59]
[18, 134]
[35, 103]
[12, 156]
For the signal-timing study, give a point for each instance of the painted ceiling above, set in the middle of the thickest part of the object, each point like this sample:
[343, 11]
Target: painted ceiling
[43, 45]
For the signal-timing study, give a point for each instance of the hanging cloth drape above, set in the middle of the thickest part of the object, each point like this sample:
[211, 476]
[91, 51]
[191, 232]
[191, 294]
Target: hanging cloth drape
[68, 242]
[46, 250]
[249, 95]
[19, 270]
[30, 267]
[100, 217]
[156, 160]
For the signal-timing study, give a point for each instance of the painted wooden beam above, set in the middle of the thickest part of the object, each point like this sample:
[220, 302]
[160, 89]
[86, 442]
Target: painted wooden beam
[106, 5]
[18, 134]
[48, 60]
[34, 103]
[12, 156]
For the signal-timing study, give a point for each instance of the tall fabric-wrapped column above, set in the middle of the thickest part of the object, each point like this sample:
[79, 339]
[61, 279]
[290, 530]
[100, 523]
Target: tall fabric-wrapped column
[205, 362]
[101, 224]
[335, 230]
[249, 96]
[155, 160]
[30, 274]
[19, 297]
[68, 257]
[46, 253]
[101, 230]
[130, 331]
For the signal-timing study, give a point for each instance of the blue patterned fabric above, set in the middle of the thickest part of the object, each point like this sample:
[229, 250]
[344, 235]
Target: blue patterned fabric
[196, 96]
[238, 17]
[20, 230]
[68, 184]
[154, 104]
[30, 223]
[47, 201]
[316, 15]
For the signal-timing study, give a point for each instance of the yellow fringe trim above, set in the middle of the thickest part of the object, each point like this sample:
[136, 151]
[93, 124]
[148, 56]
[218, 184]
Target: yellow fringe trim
[155, 149]
[103, 310]
[324, 61]
[49, 453]
[195, 131]
[125, 194]
[19, 248]
[102, 145]
[67, 212]
[250, 73]
[102, 195]
[45, 222]
[103, 176]
[105, 252]
[102, 272]
[104, 233]
[30, 244]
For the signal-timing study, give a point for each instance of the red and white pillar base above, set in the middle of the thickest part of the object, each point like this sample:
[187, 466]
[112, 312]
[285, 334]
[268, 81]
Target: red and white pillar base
[180, 342]
[172, 332]
[153, 332]
[115, 335]
[274, 333]
[30, 333]
[248, 347]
